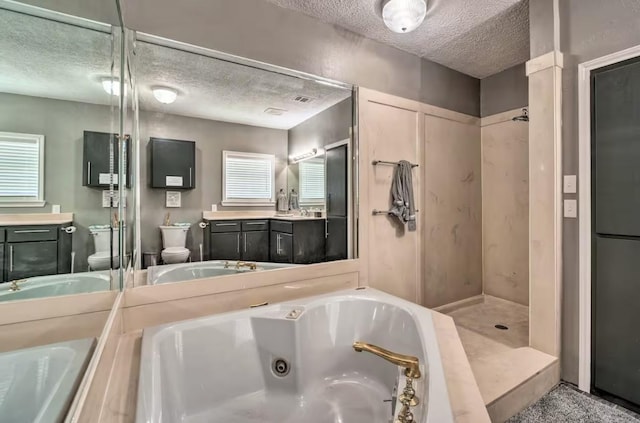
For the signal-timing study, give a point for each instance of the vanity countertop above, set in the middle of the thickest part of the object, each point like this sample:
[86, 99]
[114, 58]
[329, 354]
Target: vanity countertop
[35, 219]
[241, 215]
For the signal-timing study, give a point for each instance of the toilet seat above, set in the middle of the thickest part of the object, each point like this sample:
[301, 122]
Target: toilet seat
[102, 261]
[175, 250]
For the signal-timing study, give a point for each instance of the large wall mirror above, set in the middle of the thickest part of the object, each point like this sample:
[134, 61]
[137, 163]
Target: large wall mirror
[60, 126]
[243, 167]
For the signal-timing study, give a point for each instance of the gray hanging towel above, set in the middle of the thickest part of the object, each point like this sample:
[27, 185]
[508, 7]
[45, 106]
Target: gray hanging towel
[402, 195]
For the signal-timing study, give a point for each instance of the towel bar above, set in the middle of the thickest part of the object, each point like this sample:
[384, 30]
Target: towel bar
[377, 212]
[384, 162]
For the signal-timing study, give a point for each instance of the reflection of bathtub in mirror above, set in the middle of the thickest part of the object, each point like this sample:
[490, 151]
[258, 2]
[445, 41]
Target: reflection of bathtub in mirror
[41, 381]
[55, 285]
[157, 275]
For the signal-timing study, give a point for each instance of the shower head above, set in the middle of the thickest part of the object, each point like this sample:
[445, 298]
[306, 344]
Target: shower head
[524, 117]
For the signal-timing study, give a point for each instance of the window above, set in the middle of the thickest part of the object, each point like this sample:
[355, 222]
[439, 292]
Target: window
[311, 174]
[248, 179]
[21, 170]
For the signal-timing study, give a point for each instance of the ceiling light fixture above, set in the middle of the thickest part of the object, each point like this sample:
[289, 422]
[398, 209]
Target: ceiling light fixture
[111, 86]
[404, 16]
[165, 95]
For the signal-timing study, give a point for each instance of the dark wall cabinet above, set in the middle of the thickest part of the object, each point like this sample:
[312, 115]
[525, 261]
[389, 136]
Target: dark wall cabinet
[98, 152]
[263, 240]
[29, 251]
[172, 164]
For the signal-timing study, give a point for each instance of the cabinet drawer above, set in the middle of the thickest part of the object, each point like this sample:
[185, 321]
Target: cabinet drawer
[32, 233]
[280, 226]
[225, 226]
[255, 225]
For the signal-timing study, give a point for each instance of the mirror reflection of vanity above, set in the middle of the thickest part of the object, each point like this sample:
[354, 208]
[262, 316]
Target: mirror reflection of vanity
[244, 167]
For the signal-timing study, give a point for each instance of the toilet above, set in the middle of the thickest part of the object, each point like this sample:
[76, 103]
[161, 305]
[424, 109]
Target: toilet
[102, 258]
[174, 239]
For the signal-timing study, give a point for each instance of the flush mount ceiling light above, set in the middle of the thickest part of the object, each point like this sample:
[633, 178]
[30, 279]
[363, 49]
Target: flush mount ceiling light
[404, 16]
[165, 95]
[111, 86]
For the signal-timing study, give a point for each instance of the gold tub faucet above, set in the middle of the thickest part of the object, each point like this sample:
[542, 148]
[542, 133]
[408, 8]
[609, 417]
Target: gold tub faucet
[14, 285]
[241, 264]
[410, 363]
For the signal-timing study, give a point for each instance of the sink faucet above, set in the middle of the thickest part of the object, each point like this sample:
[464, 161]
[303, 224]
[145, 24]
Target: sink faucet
[241, 264]
[14, 285]
[411, 364]
[304, 212]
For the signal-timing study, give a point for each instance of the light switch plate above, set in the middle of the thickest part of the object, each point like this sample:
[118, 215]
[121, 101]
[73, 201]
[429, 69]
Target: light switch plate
[571, 208]
[55, 209]
[214, 207]
[570, 184]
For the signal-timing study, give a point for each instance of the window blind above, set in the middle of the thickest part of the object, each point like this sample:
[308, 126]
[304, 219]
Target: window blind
[20, 158]
[248, 176]
[311, 174]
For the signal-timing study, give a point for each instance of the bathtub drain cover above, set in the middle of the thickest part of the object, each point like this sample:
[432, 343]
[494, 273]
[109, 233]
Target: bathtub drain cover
[280, 367]
[501, 327]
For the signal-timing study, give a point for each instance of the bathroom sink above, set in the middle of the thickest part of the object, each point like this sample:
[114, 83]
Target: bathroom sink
[37, 384]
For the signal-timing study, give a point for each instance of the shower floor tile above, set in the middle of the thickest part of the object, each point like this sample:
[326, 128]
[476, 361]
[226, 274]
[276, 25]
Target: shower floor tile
[481, 319]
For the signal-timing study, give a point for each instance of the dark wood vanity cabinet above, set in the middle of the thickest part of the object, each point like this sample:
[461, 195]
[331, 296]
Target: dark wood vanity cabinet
[99, 150]
[266, 240]
[173, 163]
[298, 241]
[29, 251]
[239, 240]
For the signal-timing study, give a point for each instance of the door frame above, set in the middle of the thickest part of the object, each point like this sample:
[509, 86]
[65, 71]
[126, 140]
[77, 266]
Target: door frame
[584, 210]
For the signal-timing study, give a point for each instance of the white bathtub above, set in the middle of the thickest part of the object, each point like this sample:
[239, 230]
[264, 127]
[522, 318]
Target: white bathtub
[187, 271]
[54, 285]
[219, 368]
[38, 384]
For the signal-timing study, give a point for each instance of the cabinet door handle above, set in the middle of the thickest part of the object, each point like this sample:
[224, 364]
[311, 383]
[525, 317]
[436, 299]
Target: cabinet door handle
[226, 224]
[11, 258]
[278, 246]
[255, 223]
[245, 243]
[32, 231]
[238, 248]
[190, 178]
[88, 173]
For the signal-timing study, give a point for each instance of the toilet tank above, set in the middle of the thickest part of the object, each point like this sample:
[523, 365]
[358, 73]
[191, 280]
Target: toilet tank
[174, 236]
[101, 238]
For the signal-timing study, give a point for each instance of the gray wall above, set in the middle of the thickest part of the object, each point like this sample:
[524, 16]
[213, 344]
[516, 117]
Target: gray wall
[332, 125]
[504, 91]
[541, 27]
[62, 123]
[211, 139]
[588, 29]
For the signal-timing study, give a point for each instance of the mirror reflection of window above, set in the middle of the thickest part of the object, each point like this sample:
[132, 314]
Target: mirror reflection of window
[311, 180]
[248, 178]
[21, 169]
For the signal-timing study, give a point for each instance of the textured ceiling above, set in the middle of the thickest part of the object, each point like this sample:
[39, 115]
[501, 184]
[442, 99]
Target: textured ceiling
[215, 89]
[44, 58]
[476, 37]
